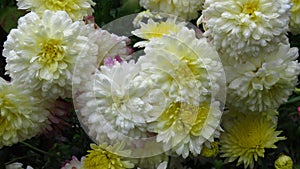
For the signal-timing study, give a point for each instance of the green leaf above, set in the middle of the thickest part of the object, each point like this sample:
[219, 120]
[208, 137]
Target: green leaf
[129, 7]
[9, 17]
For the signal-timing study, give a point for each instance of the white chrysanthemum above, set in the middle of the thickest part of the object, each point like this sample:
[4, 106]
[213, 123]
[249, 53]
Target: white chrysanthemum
[263, 82]
[294, 25]
[184, 67]
[187, 9]
[119, 102]
[184, 127]
[22, 116]
[246, 26]
[77, 9]
[153, 29]
[42, 52]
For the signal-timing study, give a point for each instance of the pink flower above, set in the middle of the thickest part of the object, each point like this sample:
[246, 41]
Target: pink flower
[110, 61]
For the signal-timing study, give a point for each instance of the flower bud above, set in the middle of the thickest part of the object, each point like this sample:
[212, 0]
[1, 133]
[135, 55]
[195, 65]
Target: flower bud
[284, 162]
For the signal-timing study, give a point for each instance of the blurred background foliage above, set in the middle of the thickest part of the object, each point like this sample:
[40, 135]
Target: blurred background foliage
[50, 152]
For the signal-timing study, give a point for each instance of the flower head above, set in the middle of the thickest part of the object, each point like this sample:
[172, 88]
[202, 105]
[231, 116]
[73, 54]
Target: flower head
[102, 156]
[284, 162]
[187, 69]
[263, 82]
[246, 136]
[41, 52]
[294, 24]
[187, 9]
[185, 127]
[77, 9]
[245, 27]
[22, 115]
[118, 102]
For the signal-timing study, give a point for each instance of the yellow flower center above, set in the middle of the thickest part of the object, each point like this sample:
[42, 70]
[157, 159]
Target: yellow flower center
[252, 134]
[51, 51]
[191, 62]
[158, 30]
[184, 117]
[250, 7]
[56, 5]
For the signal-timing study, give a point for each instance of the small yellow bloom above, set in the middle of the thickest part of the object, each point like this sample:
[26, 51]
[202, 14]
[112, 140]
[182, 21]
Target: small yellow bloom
[102, 157]
[211, 151]
[284, 162]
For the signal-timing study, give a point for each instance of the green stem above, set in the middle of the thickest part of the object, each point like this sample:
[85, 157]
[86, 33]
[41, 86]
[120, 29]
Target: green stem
[16, 159]
[293, 100]
[35, 149]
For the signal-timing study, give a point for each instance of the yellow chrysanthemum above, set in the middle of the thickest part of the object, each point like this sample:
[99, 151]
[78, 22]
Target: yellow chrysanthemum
[284, 162]
[22, 115]
[246, 136]
[294, 24]
[103, 157]
[77, 9]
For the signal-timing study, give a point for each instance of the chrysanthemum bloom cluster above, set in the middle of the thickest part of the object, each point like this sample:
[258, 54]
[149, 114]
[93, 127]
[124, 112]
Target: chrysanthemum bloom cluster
[102, 156]
[45, 49]
[187, 9]
[22, 116]
[261, 70]
[76, 9]
[181, 66]
[246, 27]
[177, 77]
[246, 136]
[294, 24]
